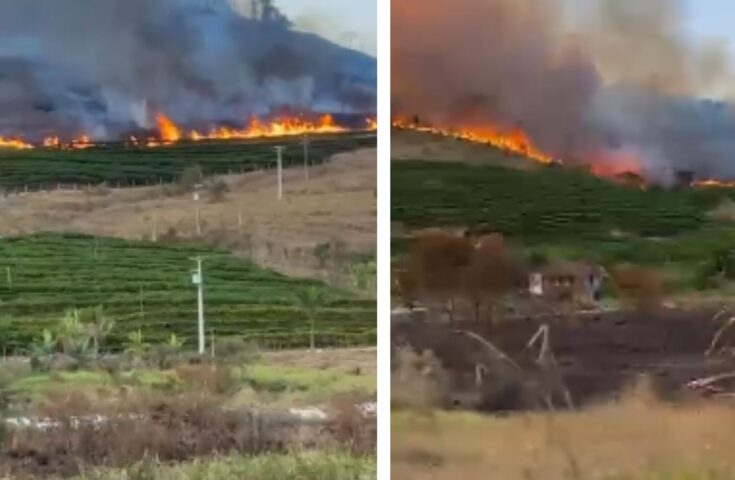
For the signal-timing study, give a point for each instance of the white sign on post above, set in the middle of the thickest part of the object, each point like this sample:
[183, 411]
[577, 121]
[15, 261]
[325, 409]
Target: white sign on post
[196, 279]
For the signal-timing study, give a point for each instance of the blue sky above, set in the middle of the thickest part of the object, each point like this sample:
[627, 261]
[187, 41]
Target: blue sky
[352, 22]
[707, 18]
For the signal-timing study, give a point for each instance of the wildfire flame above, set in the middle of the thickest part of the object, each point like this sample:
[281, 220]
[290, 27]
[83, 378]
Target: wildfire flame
[713, 184]
[515, 141]
[168, 130]
[14, 143]
[79, 143]
[619, 165]
[279, 128]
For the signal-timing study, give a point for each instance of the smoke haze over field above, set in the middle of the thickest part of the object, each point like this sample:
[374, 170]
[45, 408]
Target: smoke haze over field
[620, 86]
[105, 67]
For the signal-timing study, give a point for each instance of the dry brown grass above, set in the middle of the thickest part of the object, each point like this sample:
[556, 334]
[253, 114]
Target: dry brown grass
[211, 378]
[171, 428]
[348, 359]
[636, 438]
[337, 205]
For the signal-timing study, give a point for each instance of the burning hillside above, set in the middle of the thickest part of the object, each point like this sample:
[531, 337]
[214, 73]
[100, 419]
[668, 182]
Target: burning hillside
[168, 70]
[515, 141]
[621, 88]
[168, 132]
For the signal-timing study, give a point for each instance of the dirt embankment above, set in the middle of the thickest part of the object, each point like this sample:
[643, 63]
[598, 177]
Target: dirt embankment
[331, 215]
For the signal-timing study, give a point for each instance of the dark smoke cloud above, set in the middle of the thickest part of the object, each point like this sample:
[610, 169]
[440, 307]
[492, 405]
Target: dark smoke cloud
[104, 67]
[620, 82]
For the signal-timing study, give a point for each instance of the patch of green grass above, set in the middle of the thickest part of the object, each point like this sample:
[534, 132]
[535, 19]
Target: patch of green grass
[37, 385]
[313, 383]
[306, 465]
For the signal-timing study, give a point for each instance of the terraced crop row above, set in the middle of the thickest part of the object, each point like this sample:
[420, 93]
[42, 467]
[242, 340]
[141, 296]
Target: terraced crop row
[148, 286]
[116, 164]
[544, 203]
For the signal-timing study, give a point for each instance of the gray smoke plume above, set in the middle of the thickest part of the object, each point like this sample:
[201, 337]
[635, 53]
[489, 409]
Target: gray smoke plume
[106, 67]
[618, 84]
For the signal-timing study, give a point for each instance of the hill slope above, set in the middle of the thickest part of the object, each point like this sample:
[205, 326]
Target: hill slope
[148, 286]
[335, 206]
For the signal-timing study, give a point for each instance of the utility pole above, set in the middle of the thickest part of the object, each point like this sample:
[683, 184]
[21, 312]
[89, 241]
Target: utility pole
[198, 280]
[306, 156]
[279, 150]
[154, 232]
[197, 214]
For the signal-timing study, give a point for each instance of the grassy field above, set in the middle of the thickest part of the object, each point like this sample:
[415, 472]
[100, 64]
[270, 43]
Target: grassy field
[147, 286]
[115, 164]
[566, 213]
[263, 381]
[305, 465]
[637, 439]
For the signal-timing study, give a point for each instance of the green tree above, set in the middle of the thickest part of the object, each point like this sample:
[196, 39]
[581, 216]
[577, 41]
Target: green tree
[311, 300]
[43, 347]
[98, 326]
[363, 277]
[174, 342]
[72, 334]
[136, 344]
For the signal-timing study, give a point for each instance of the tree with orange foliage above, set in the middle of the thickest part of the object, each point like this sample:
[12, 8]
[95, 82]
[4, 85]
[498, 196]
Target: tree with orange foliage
[436, 264]
[639, 287]
[492, 272]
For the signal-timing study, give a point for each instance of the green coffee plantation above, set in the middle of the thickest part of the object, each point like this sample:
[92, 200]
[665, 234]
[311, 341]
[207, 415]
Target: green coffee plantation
[148, 286]
[565, 213]
[544, 203]
[118, 165]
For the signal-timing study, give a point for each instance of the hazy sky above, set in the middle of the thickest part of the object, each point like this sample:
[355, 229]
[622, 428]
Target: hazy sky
[704, 18]
[352, 23]
[348, 22]
[712, 18]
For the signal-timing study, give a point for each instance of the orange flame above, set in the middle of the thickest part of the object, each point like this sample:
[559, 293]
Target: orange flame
[616, 162]
[14, 143]
[81, 143]
[515, 141]
[713, 184]
[52, 142]
[283, 127]
[168, 130]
